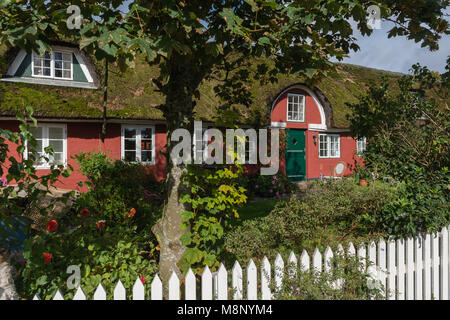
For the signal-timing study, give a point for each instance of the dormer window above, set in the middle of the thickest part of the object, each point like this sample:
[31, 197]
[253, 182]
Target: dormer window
[55, 65]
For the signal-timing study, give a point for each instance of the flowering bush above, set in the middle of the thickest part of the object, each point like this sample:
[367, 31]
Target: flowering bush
[104, 252]
[106, 233]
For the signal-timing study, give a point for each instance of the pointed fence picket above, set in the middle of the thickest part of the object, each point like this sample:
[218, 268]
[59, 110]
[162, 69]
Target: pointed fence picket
[412, 269]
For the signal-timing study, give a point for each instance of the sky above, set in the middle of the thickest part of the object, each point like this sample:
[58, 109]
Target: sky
[398, 53]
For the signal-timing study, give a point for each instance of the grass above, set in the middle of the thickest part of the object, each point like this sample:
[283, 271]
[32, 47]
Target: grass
[257, 209]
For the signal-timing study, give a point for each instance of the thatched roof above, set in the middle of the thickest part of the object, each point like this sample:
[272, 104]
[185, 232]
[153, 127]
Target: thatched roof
[132, 95]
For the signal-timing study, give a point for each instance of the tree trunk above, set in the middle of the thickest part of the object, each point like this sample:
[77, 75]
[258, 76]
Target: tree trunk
[7, 287]
[178, 112]
[168, 231]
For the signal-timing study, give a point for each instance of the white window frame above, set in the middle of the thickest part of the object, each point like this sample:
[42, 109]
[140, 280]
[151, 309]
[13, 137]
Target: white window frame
[52, 65]
[138, 129]
[359, 141]
[303, 105]
[328, 143]
[45, 142]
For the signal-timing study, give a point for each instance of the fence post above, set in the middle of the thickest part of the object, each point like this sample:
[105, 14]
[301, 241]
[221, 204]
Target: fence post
[190, 286]
[382, 263]
[391, 269]
[222, 283]
[252, 281]
[236, 280]
[100, 293]
[427, 268]
[265, 279]
[119, 291]
[435, 265]
[174, 287]
[156, 288]
[444, 264]
[278, 272]
[207, 284]
[138, 290]
[400, 269]
[418, 243]
[410, 269]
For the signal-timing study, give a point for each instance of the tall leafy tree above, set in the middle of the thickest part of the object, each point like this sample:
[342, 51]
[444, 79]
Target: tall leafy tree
[192, 41]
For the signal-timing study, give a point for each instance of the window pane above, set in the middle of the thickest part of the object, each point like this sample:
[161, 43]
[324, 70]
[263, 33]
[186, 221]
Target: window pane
[58, 73]
[36, 132]
[146, 133]
[130, 133]
[37, 62]
[47, 55]
[130, 144]
[47, 63]
[146, 145]
[58, 64]
[37, 71]
[146, 156]
[67, 56]
[130, 155]
[66, 65]
[47, 72]
[56, 158]
[67, 74]
[57, 145]
[58, 56]
[55, 133]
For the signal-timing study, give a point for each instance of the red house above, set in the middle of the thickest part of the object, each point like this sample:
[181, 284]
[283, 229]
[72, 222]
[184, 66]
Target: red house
[63, 87]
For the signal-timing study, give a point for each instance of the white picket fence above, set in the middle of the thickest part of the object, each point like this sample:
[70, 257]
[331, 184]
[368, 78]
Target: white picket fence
[412, 269]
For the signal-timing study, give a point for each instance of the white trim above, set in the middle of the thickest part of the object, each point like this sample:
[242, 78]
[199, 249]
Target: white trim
[278, 124]
[303, 105]
[45, 138]
[83, 66]
[138, 142]
[322, 125]
[328, 156]
[16, 63]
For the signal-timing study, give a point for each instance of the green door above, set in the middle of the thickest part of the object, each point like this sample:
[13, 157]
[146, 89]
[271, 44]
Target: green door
[295, 155]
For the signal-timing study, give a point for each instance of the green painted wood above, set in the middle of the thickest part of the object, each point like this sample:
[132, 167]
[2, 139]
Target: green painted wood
[24, 69]
[78, 74]
[295, 155]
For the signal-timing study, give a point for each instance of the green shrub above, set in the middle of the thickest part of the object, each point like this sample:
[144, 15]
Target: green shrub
[344, 281]
[337, 211]
[409, 140]
[215, 195]
[117, 186]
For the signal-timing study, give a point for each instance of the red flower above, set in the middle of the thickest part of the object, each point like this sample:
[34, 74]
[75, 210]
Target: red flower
[47, 257]
[142, 279]
[84, 212]
[101, 224]
[131, 213]
[52, 225]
